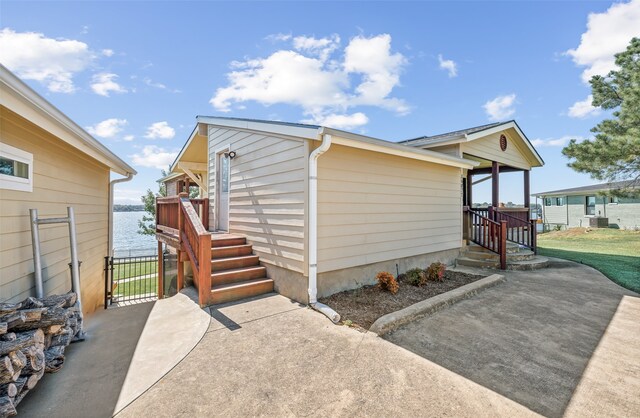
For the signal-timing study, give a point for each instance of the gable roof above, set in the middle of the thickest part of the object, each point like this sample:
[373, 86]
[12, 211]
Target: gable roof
[350, 139]
[470, 134]
[594, 188]
[24, 101]
[416, 142]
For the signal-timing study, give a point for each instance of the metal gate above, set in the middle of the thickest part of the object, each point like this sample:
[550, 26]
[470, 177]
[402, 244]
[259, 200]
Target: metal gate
[130, 280]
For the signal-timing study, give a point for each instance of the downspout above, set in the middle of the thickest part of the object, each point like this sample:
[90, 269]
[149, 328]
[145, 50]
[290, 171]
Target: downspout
[112, 183]
[313, 229]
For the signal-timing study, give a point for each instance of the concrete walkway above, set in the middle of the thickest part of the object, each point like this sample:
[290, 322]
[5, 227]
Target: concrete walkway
[546, 339]
[273, 357]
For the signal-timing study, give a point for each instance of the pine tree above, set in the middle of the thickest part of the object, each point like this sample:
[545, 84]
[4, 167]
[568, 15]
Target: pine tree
[614, 152]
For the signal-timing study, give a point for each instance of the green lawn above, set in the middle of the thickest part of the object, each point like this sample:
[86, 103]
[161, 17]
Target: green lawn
[137, 287]
[614, 252]
[133, 269]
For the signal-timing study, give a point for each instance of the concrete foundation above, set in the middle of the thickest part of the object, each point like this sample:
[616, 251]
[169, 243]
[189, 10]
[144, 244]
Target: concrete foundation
[331, 282]
[289, 283]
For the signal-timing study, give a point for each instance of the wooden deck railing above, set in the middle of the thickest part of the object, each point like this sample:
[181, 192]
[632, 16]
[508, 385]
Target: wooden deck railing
[195, 240]
[185, 221]
[521, 231]
[487, 233]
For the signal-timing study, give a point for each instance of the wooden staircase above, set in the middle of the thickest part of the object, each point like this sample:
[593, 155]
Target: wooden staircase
[236, 272]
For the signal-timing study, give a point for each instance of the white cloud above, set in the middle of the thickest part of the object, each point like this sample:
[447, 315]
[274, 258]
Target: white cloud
[449, 65]
[103, 83]
[555, 142]
[107, 52]
[312, 77]
[127, 196]
[160, 130]
[501, 107]
[583, 108]
[107, 128]
[53, 62]
[352, 121]
[160, 86]
[154, 157]
[128, 138]
[607, 34]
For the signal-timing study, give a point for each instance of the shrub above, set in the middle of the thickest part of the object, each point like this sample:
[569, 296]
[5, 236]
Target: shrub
[416, 277]
[387, 282]
[436, 271]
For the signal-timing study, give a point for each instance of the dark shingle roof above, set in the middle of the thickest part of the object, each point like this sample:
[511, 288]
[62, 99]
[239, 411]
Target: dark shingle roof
[416, 142]
[592, 188]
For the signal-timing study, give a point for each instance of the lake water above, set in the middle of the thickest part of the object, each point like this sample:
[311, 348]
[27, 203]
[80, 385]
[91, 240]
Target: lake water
[126, 240]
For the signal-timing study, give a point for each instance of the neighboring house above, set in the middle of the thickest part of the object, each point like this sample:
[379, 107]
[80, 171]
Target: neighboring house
[47, 162]
[324, 210]
[590, 206]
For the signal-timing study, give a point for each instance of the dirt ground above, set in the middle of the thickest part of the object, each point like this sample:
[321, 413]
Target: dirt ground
[361, 307]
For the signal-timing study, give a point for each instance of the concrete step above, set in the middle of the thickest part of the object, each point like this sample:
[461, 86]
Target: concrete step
[231, 251]
[536, 262]
[240, 290]
[234, 262]
[523, 254]
[512, 247]
[227, 241]
[237, 275]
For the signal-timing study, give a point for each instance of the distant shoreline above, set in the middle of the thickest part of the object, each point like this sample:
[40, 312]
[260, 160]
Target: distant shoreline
[128, 208]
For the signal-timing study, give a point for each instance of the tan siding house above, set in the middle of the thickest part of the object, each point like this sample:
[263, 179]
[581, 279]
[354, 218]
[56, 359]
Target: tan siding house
[67, 168]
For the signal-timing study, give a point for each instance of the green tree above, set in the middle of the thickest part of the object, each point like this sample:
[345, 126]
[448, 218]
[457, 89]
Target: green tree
[614, 152]
[147, 226]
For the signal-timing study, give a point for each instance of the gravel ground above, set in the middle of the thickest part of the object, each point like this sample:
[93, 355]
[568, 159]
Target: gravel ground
[361, 307]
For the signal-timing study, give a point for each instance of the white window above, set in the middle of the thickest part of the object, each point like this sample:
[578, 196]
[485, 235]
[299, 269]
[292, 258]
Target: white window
[16, 169]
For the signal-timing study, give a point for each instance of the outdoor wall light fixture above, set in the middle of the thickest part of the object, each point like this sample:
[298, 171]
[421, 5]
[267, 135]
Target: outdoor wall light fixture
[230, 155]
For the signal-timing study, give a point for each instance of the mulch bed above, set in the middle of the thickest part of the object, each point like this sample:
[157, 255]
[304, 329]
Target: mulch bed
[361, 307]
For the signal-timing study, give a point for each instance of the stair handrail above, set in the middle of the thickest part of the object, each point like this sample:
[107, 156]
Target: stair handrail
[488, 234]
[527, 240]
[195, 240]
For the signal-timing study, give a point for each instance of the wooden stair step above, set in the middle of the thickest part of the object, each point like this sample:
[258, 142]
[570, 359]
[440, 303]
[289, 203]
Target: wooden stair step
[235, 262]
[227, 241]
[240, 290]
[231, 251]
[221, 277]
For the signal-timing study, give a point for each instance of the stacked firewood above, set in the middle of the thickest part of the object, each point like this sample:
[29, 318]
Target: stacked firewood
[33, 336]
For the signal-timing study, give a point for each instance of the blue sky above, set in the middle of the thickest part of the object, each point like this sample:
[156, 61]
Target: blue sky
[136, 74]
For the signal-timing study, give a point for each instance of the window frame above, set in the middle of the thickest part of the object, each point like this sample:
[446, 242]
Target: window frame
[613, 200]
[20, 184]
[548, 201]
[557, 199]
[586, 205]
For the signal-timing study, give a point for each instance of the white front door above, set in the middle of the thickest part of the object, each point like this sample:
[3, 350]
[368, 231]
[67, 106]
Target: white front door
[222, 190]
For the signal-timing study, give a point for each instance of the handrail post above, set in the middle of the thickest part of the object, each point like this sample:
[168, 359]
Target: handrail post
[503, 245]
[204, 282]
[160, 270]
[534, 235]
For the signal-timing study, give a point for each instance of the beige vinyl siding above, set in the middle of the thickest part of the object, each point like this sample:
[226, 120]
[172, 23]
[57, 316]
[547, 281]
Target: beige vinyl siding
[374, 207]
[489, 149]
[266, 193]
[62, 176]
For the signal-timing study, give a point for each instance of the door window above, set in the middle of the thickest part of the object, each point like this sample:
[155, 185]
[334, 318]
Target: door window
[590, 205]
[224, 173]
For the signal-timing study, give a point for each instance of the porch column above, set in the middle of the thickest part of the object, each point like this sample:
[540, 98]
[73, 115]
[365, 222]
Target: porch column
[469, 201]
[495, 184]
[527, 193]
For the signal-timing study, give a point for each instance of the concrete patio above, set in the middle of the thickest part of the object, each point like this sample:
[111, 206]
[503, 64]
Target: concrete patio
[571, 346]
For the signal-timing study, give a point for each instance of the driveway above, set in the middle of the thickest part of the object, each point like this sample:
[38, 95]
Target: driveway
[273, 357]
[560, 340]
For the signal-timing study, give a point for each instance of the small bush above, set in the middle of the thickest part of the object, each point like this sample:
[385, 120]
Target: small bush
[416, 277]
[435, 272]
[387, 282]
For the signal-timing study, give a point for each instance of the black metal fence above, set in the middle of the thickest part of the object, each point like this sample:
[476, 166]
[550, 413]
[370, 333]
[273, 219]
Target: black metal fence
[130, 279]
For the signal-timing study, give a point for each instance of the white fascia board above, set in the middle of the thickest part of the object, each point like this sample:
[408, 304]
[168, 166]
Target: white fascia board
[21, 99]
[502, 127]
[309, 132]
[172, 167]
[391, 148]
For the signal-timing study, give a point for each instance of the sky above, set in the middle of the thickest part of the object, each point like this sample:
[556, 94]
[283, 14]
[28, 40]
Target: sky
[136, 74]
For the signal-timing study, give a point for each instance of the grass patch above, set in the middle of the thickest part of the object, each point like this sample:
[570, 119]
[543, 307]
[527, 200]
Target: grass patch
[128, 269]
[613, 252]
[137, 287]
